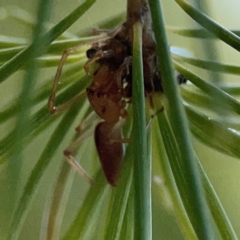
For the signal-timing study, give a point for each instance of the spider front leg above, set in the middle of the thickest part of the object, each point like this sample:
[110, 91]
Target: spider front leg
[51, 101]
[153, 116]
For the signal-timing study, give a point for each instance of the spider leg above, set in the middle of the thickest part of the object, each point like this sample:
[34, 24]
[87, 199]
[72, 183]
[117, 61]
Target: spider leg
[84, 130]
[152, 117]
[73, 162]
[51, 100]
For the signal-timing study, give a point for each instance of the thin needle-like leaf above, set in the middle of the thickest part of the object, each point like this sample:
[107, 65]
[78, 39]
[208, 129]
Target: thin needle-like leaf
[23, 117]
[192, 194]
[42, 93]
[83, 225]
[56, 210]
[224, 138]
[197, 33]
[221, 97]
[218, 214]
[10, 42]
[61, 189]
[209, 65]
[41, 119]
[219, 31]
[22, 58]
[44, 160]
[168, 177]
[8, 53]
[127, 226]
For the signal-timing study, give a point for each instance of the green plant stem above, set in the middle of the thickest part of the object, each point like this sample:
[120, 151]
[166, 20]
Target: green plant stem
[142, 185]
[190, 187]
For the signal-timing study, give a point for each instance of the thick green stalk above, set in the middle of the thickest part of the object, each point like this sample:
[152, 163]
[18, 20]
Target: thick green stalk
[142, 180]
[190, 186]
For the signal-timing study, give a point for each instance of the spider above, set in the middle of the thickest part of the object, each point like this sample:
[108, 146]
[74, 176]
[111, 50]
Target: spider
[110, 66]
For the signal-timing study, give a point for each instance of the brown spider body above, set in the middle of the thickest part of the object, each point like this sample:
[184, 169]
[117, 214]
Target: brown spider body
[106, 98]
[110, 66]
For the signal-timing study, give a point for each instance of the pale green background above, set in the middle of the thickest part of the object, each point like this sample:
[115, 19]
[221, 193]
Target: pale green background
[223, 171]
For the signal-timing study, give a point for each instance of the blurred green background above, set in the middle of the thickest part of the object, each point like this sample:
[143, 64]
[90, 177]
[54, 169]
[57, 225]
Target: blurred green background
[222, 170]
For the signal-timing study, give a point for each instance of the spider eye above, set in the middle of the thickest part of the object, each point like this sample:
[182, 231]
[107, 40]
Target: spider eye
[181, 79]
[91, 53]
